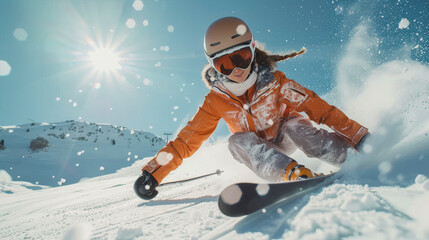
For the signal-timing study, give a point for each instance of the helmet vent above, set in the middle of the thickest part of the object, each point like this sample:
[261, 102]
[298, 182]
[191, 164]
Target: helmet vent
[236, 35]
[214, 44]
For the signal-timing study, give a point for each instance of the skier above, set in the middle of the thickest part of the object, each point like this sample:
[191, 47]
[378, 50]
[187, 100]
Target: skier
[261, 107]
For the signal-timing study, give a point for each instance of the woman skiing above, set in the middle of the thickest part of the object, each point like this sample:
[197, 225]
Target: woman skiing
[261, 108]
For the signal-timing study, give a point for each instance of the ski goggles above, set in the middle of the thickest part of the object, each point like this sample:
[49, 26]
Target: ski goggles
[239, 57]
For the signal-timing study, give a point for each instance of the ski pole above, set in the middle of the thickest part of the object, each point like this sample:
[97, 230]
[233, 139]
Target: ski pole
[218, 172]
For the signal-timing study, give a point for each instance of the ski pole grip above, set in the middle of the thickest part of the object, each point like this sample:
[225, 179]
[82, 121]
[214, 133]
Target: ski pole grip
[145, 186]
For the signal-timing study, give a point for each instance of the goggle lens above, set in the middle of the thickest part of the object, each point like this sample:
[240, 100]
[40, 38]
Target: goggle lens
[241, 58]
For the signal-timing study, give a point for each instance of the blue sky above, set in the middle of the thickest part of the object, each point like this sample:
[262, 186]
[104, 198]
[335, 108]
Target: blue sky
[52, 78]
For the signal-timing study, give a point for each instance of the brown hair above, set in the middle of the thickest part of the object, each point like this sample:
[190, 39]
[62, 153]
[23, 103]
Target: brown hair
[264, 58]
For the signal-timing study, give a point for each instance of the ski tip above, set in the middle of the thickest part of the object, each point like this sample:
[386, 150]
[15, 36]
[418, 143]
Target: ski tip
[229, 197]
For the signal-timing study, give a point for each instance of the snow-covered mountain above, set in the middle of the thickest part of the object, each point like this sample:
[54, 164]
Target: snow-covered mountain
[66, 152]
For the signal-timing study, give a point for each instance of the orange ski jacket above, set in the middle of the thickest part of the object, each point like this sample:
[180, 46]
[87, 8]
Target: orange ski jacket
[260, 110]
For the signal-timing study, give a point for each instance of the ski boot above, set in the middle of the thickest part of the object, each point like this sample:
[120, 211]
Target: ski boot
[295, 171]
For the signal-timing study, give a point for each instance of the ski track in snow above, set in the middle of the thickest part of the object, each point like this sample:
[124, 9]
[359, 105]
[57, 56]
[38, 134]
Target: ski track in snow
[107, 208]
[104, 208]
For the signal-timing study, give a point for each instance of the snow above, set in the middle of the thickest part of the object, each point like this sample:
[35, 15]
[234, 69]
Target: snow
[138, 5]
[7, 186]
[232, 195]
[61, 182]
[20, 34]
[262, 189]
[79, 231]
[357, 206]
[339, 10]
[4, 176]
[404, 23]
[125, 233]
[385, 167]
[241, 29]
[71, 143]
[420, 179]
[164, 48]
[164, 158]
[4, 68]
[367, 148]
[147, 82]
[131, 23]
[360, 212]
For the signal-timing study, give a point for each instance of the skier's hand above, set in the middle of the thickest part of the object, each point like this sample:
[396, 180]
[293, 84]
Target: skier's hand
[145, 186]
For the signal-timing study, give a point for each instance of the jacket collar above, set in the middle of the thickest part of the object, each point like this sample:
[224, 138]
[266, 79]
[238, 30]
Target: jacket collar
[264, 78]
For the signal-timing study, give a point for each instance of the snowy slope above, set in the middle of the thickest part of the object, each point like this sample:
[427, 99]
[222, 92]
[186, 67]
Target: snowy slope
[107, 208]
[76, 150]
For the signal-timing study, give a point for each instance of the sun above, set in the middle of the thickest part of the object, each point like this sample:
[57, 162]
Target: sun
[105, 60]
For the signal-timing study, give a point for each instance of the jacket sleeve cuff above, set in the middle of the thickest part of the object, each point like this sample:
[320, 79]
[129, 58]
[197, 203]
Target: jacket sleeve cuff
[360, 144]
[169, 160]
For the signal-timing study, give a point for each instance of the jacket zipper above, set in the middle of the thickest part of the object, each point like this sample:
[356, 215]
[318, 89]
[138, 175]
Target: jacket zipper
[248, 103]
[230, 97]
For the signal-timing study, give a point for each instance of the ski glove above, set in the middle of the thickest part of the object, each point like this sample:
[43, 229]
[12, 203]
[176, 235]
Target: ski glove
[145, 186]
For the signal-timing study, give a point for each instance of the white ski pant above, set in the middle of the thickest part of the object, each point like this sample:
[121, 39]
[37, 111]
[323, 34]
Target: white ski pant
[269, 159]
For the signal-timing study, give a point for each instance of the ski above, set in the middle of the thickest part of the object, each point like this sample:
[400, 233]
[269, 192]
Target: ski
[245, 198]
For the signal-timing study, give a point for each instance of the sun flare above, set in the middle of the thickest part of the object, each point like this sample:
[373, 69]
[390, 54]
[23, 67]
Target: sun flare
[104, 60]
